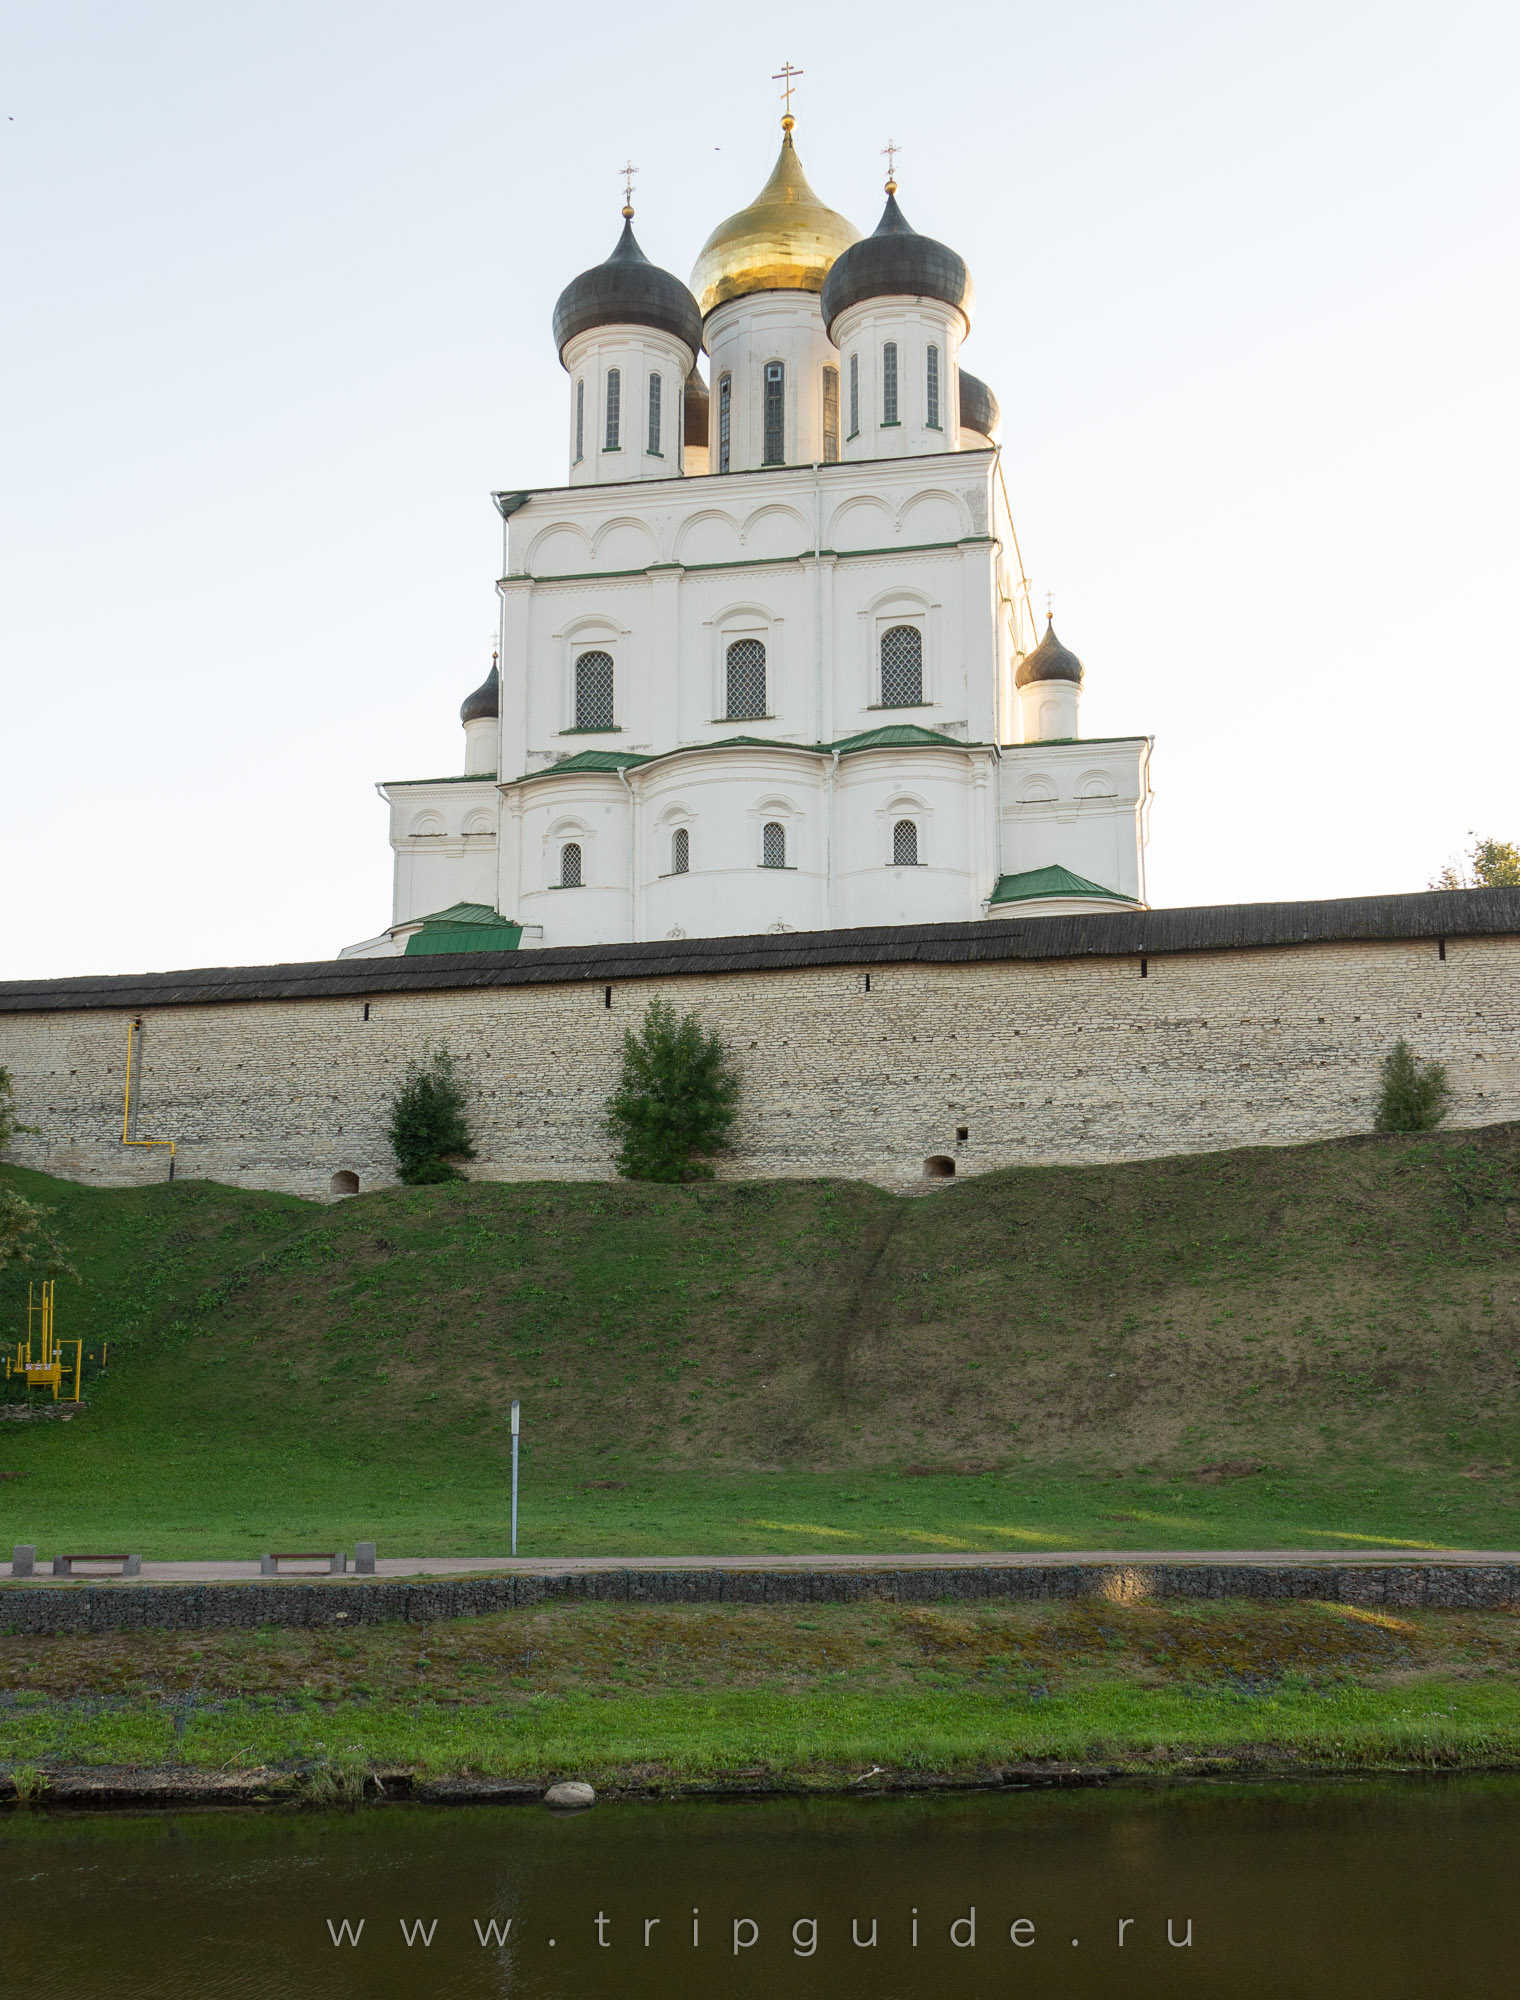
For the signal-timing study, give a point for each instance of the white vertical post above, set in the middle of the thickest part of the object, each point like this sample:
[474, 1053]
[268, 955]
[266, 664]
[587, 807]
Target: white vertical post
[515, 1426]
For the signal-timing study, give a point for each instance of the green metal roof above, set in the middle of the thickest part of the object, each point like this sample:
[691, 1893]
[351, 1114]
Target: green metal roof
[1035, 883]
[469, 778]
[464, 927]
[588, 760]
[899, 736]
[893, 736]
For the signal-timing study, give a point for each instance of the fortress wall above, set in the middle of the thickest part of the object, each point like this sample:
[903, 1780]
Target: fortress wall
[1056, 1060]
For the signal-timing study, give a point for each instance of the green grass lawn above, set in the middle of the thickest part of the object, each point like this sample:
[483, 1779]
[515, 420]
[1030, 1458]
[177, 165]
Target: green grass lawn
[651, 1694]
[1044, 1359]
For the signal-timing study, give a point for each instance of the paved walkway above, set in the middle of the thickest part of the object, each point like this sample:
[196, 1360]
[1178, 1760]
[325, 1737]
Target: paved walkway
[405, 1566]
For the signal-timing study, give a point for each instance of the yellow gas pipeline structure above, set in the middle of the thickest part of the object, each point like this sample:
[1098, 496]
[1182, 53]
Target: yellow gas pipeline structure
[48, 1368]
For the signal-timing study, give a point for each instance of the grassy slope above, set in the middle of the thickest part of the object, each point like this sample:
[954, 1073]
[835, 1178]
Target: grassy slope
[756, 1364]
[651, 1693]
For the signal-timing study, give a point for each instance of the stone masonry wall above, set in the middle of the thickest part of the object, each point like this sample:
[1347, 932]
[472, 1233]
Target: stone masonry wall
[1039, 1061]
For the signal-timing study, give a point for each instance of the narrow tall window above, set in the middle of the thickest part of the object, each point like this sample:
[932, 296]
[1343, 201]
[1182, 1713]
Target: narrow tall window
[931, 390]
[593, 691]
[580, 420]
[905, 844]
[570, 865]
[889, 383]
[854, 395]
[773, 845]
[680, 851]
[654, 415]
[725, 420]
[775, 414]
[831, 416]
[614, 406]
[746, 681]
[902, 667]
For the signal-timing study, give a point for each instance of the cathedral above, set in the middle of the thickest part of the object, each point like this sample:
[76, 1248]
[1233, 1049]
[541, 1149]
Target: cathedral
[767, 660]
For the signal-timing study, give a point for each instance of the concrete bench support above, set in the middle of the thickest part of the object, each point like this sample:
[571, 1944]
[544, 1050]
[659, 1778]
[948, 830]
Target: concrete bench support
[24, 1559]
[364, 1558]
[336, 1560]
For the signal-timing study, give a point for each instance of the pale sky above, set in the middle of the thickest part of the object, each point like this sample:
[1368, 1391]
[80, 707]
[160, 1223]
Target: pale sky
[278, 285]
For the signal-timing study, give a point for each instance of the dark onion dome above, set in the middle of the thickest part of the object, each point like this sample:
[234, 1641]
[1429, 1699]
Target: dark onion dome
[696, 409]
[627, 291]
[896, 263]
[979, 407]
[1050, 661]
[483, 702]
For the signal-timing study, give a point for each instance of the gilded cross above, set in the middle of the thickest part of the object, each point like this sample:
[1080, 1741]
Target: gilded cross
[786, 72]
[628, 170]
[890, 152]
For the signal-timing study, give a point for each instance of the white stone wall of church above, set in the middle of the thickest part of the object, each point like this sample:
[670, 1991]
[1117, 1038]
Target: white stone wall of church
[1073, 1061]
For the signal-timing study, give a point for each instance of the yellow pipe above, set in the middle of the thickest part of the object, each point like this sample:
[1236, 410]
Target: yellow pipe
[135, 1028]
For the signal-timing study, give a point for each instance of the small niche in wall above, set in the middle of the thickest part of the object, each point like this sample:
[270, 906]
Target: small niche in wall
[344, 1182]
[962, 1134]
[939, 1167]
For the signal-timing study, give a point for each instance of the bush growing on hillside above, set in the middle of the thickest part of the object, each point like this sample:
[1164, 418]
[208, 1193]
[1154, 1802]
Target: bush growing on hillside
[677, 1097]
[24, 1235]
[1411, 1095]
[428, 1129]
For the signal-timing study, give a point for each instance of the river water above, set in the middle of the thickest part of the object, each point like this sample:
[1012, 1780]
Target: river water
[1380, 1887]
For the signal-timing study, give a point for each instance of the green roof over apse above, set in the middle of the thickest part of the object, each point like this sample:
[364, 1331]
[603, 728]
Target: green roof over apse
[588, 760]
[464, 927]
[899, 736]
[1037, 883]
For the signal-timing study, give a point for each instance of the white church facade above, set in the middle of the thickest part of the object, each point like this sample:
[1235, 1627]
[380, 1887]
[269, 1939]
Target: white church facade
[766, 659]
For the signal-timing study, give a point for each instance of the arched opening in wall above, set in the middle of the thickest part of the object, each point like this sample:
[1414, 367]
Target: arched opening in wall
[939, 1167]
[344, 1182]
[902, 667]
[570, 865]
[680, 851]
[593, 691]
[905, 844]
[746, 681]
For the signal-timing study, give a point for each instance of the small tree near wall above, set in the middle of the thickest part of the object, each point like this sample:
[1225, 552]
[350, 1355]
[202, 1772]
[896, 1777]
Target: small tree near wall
[1412, 1095]
[428, 1129]
[676, 1099]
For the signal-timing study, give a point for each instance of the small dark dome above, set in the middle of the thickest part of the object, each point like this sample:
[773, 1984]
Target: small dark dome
[1049, 661]
[627, 291]
[483, 702]
[696, 409]
[896, 263]
[979, 407]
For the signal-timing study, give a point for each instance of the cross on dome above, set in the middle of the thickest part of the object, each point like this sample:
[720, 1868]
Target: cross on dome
[786, 73]
[628, 170]
[890, 152]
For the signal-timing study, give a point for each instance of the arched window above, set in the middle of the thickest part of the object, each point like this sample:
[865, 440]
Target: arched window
[902, 667]
[614, 406]
[725, 420]
[680, 851]
[654, 416]
[831, 416]
[746, 681]
[905, 844]
[889, 383]
[931, 390]
[593, 691]
[773, 845]
[775, 414]
[580, 420]
[854, 395]
[570, 865]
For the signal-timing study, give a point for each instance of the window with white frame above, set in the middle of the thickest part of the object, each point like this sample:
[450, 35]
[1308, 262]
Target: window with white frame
[614, 407]
[931, 390]
[570, 865]
[680, 851]
[725, 420]
[831, 416]
[580, 420]
[746, 681]
[775, 414]
[773, 845]
[889, 383]
[854, 395]
[593, 691]
[905, 844]
[654, 416]
[902, 667]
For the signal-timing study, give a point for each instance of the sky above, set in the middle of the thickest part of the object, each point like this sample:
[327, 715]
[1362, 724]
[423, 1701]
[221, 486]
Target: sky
[278, 285]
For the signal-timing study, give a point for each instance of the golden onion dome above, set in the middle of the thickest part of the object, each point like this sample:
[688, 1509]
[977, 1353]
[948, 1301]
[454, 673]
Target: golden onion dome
[784, 241]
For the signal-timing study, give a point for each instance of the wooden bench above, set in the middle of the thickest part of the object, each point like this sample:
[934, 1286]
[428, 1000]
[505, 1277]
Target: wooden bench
[130, 1565]
[336, 1560]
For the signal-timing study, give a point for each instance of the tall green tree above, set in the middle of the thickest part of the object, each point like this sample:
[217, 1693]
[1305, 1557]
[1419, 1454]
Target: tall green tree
[428, 1128]
[24, 1235]
[1488, 864]
[1412, 1096]
[676, 1098]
